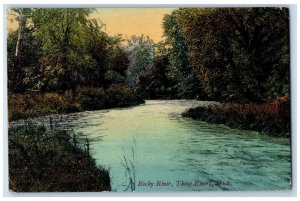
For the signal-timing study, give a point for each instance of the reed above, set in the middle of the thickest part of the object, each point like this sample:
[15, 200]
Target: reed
[129, 164]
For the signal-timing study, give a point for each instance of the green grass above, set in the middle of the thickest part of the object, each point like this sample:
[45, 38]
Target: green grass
[271, 118]
[52, 161]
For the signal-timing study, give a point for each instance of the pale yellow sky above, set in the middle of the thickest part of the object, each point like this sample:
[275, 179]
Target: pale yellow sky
[127, 21]
[134, 21]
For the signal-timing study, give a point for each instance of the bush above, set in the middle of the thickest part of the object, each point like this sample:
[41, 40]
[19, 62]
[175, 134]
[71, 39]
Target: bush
[121, 96]
[90, 98]
[83, 98]
[52, 161]
[117, 95]
[34, 104]
[272, 118]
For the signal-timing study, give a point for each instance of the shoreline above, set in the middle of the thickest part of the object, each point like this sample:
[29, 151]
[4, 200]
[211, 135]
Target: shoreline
[272, 119]
[54, 160]
[29, 105]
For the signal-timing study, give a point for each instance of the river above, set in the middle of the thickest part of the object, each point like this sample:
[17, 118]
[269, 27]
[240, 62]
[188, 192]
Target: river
[167, 152]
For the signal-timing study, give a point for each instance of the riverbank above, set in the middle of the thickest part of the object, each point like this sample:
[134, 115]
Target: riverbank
[271, 118]
[42, 160]
[33, 104]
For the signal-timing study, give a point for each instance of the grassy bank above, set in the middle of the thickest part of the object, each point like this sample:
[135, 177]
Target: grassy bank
[33, 104]
[52, 161]
[271, 118]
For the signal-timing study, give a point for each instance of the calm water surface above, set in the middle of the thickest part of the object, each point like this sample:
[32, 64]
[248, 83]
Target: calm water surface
[172, 153]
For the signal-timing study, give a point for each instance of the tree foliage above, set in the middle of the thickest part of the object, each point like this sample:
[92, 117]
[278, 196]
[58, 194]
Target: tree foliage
[238, 54]
[64, 49]
[180, 68]
[226, 54]
[140, 51]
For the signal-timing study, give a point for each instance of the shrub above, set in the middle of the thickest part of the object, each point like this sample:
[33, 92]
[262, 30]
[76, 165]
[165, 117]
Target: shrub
[83, 98]
[90, 98]
[272, 118]
[120, 95]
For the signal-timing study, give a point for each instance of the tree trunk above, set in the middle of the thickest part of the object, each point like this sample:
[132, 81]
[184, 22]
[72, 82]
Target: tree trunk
[22, 24]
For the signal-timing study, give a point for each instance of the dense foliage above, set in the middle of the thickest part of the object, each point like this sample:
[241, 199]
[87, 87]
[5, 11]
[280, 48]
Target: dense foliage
[229, 54]
[180, 69]
[42, 160]
[226, 54]
[60, 60]
[154, 82]
[60, 49]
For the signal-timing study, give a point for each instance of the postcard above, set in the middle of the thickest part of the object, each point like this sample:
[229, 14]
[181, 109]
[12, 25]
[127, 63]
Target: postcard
[149, 99]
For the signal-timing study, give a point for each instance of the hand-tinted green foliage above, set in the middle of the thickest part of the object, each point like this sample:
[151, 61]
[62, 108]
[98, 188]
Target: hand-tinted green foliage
[60, 32]
[179, 68]
[239, 54]
[19, 48]
[271, 118]
[52, 161]
[65, 63]
[154, 81]
[61, 49]
[23, 70]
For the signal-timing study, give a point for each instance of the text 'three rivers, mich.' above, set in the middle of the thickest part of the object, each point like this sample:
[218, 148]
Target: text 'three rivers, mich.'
[181, 183]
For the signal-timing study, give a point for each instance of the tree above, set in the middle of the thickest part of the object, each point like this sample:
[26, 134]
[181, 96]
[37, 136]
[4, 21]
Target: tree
[140, 53]
[118, 62]
[60, 31]
[17, 42]
[65, 49]
[21, 15]
[180, 68]
[238, 52]
[154, 82]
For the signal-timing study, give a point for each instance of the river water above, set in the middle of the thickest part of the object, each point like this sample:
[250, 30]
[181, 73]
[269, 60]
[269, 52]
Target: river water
[167, 152]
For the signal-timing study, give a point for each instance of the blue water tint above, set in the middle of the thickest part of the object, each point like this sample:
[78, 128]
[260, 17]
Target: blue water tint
[182, 154]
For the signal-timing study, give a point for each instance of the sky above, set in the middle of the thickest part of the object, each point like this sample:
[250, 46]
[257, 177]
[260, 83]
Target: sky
[126, 21]
[134, 21]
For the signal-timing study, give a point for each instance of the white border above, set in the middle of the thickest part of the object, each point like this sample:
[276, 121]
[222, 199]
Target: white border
[154, 3]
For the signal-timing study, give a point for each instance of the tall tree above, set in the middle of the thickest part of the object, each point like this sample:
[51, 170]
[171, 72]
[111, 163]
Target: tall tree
[21, 16]
[180, 68]
[65, 49]
[238, 52]
[60, 31]
[20, 41]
